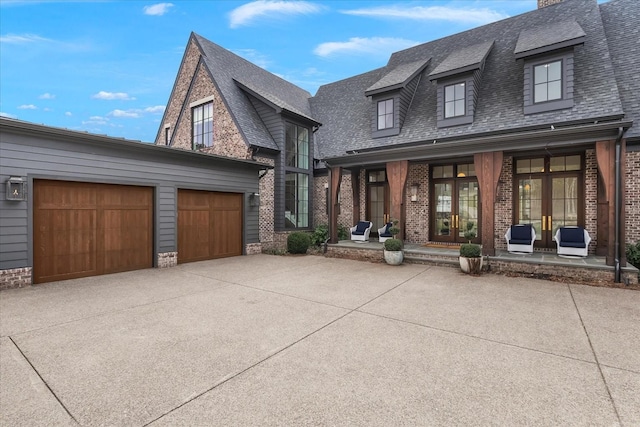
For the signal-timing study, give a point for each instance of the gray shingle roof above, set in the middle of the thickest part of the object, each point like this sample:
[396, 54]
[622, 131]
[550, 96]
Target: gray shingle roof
[225, 66]
[466, 59]
[346, 113]
[548, 37]
[398, 77]
[620, 19]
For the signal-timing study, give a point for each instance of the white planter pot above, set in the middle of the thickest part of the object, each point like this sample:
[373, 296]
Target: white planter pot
[393, 257]
[471, 265]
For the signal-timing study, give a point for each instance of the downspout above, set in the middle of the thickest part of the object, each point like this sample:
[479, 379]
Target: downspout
[618, 208]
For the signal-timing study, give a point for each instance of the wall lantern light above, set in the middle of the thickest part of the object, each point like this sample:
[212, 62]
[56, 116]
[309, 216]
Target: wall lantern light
[414, 192]
[254, 199]
[16, 189]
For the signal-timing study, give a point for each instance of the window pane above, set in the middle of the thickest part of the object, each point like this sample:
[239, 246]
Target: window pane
[573, 163]
[557, 164]
[381, 108]
[459, 88]
[554, 71]
[290, 145]
[537, 165]
[303, 147]
[438, 172]
[447, 171]
[389, 106]
[555, 90]
[540, 94]
[449, 92]
[381, 122]
[459, 108]
[389, 121]
[540, 74]
[523, 166]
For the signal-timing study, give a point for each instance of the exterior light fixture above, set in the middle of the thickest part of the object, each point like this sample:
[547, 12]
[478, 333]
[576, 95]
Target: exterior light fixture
[254, 199]
[414, 192]
[16, 189]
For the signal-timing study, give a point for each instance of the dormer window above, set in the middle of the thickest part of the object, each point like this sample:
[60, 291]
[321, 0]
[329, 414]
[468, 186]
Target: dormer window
[547, 82]
[385, 114]
[454, 100]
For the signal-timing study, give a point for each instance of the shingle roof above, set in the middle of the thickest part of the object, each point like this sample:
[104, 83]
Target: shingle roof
[466, 59]
[548, 37]
[225, 66]
[398, 77]
[620, 19]
[346, 112]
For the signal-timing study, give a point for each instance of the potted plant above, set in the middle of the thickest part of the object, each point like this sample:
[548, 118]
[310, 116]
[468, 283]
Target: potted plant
[470, 253]
[393, 254]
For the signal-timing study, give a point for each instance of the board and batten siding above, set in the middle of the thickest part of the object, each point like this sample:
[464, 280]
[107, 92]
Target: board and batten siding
[166, 170]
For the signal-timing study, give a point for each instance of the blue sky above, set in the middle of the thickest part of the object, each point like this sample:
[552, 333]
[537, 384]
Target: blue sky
[108, 67]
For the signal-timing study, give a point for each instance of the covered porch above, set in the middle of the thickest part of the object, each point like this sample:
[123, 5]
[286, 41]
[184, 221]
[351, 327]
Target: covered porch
[539, 264]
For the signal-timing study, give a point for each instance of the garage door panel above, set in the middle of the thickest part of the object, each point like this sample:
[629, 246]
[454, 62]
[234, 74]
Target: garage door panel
[209, 225]
[71, 242]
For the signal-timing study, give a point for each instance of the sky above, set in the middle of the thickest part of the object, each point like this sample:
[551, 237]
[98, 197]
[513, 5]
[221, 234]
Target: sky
[108, 67]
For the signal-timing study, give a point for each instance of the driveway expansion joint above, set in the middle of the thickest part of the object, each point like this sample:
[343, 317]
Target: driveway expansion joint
[43, 381]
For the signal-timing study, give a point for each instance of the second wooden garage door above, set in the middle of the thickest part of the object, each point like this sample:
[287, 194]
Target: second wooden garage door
[209, 225]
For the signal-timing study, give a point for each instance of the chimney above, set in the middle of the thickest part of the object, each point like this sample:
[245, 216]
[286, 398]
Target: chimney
[544, 3]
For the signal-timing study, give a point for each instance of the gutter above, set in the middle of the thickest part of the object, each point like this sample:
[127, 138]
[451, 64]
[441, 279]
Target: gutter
[618, 208]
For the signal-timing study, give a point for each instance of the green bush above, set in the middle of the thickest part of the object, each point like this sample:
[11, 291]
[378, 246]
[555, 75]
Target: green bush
[319, 235]
[393, 245]
[633, 254]
[343, 232]
[470, 250]
[298, 242]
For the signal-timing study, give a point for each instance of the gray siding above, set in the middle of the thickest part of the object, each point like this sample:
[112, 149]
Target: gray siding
[166, 171]
[406, 96]
[271, 119]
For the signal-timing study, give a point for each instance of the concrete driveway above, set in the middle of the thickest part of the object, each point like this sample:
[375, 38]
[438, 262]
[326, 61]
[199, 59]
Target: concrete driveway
[269, 340]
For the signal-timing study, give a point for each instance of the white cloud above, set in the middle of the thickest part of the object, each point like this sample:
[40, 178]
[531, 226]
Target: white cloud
[68, 114]
[432, 13]
[379, 46]
[27, 107]
[22, 38]
[247, 13]
[155, 109]
[7, 115]
[157, 9]
[122, 96]
[47, 109]
[47, 96]
[99, 118]
[132, 114]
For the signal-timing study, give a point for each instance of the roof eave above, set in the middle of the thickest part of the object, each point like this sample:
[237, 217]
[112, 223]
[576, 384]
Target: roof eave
[550, 48]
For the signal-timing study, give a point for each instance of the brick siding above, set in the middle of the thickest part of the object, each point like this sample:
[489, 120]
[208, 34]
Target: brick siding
[632, 200]
[503, 216]
[591, 198]
[417, 213]
[167, 259]
[15, 278]
[345, 218]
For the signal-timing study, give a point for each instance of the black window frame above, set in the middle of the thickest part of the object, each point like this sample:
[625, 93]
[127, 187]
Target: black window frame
[454, 100]
[203, 134]
[386, 114]
[291, 168]
[547, 81]
[567, 83]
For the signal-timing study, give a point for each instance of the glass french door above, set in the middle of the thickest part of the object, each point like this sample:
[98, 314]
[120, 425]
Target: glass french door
[378, 200]
[455, 205]
[549, 195]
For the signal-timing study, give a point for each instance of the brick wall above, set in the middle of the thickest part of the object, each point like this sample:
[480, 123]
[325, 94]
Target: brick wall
[632, 200]
[345, 217]
[503, 215]
[591, 198]
[15, 278]
[417, 213]
[227, 140]
[167, 259]
[266, 215]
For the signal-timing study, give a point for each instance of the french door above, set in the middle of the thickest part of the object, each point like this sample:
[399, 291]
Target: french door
[550, 195]
[378, 200]
[455, 204]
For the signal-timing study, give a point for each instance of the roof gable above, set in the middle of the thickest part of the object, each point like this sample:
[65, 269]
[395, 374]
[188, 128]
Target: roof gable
[398, 77]
[468, 58]
[547, 38]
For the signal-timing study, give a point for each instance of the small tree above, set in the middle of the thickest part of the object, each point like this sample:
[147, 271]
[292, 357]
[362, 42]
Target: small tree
[395, 228]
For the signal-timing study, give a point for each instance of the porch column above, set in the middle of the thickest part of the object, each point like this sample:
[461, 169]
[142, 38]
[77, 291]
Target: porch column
[606, 159]
[335, 177]
[355, 194]
[397, 176]
[488, 167]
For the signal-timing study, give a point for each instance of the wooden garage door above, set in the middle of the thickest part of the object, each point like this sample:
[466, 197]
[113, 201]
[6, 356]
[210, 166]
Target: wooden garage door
[209, 225]
[83, 229]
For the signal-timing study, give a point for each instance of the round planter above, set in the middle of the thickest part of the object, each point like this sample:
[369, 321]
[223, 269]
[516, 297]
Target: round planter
[393, 257]
[471, 265]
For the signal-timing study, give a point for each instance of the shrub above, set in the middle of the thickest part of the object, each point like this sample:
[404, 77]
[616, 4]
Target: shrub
[394, 230]
[633, 254]
[470, 250]
[343, 232]
[298, 242]
[319, 235]
[393, 244]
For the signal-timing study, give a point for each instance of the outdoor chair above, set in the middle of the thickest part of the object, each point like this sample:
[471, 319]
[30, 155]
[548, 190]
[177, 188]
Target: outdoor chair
[360, 231]
[383, 233]
[520, 238]
[572, 241]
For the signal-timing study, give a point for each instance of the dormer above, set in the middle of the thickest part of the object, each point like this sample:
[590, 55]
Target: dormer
[548, 65]
[458, 79]
[391, 97]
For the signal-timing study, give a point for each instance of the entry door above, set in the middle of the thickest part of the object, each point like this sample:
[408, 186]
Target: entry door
[549, 195]
[378, 200]
[455, 204]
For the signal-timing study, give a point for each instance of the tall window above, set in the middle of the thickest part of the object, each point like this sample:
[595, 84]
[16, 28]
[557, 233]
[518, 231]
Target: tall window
[167, 135]
[202, 117]
[296, 198]
[547, 82]
[385, 114]
[454, 100]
